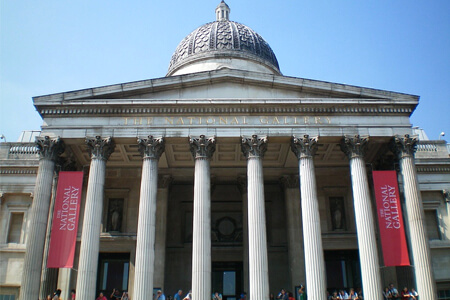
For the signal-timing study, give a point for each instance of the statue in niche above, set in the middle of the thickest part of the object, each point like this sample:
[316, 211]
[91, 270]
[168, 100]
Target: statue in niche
[115, 214]
[337, 213]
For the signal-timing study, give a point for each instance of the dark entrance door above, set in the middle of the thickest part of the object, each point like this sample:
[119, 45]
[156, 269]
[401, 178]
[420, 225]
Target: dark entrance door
[227, 279]
[343, 270]
[113, 272]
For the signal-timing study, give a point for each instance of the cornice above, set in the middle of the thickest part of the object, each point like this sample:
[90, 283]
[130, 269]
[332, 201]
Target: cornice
[16, 171]
[433, 169]
[211, 107]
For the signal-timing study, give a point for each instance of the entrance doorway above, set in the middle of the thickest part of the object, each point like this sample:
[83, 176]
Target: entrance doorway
[343, 270]
[227, 279]
[113, 271]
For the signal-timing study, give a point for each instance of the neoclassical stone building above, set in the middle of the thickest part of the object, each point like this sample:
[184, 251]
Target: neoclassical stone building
[224, 175]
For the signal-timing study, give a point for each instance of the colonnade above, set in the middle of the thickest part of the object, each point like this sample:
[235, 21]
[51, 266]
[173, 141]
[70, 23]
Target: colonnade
[202, 149]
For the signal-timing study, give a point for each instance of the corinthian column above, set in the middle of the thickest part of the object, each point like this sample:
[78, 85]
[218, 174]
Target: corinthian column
[151, 150]
[253, 149]
[354, 148]
[49, 150]
[202, 149]
[405, 147]
[305, 148]
[100, 150]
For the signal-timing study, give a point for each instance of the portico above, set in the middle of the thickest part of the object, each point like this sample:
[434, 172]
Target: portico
[226, 175]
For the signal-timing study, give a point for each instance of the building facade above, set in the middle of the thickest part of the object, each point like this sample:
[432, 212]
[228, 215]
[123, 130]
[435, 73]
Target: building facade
[224, 175]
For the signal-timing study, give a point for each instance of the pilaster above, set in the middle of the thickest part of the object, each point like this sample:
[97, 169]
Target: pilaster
[291, 187]
[162, 198]
[242, 186]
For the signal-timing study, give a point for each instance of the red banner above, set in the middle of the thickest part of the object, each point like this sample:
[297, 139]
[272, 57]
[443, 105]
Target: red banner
[390, 219]
[65, 220]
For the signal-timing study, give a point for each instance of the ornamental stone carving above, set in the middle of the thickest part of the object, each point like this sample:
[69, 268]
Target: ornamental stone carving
[305, 146]
[202, 147]
[354, 146]
[100, 148]
[254, 146]
[405, 145]
[49, 148]
[151, 147]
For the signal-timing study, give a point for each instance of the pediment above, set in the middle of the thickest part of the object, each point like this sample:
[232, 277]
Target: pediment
[224, 84]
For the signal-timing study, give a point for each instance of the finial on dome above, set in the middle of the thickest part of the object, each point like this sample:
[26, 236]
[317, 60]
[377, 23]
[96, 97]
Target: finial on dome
[222, 12]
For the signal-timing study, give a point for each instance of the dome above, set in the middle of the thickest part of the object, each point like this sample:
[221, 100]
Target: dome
[223, 44]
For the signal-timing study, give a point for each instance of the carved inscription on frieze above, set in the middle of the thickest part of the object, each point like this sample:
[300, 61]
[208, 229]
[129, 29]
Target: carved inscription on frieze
[227, 120]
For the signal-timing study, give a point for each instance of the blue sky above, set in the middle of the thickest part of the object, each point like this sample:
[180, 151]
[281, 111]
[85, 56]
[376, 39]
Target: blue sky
[56, 46]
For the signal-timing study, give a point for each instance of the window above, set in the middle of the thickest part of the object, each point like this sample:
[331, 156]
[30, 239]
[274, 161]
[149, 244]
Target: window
[444, 294]
[7, 297]
[431, 224]
[15, 228]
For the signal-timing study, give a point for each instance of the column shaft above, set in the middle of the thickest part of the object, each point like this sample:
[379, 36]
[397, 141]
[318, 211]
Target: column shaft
[312, 234]
[90, 237]
[258, 263]
[38, 224]
[419, 242]
[49, 276]
[201, 239]
[365, 227]
[145, 245]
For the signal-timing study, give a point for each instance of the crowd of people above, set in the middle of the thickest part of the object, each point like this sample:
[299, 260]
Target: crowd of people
[390, 292]
[342, 294]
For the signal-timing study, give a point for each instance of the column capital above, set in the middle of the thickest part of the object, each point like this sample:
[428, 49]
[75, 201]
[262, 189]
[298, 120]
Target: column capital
[254, 146]
[354, 146]
[305, 146]
[100, 148]
[164, 181]
[290, 181]
[150, 147]
[202, 147]
[242, 184]
[405, 145]
[49, 148]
